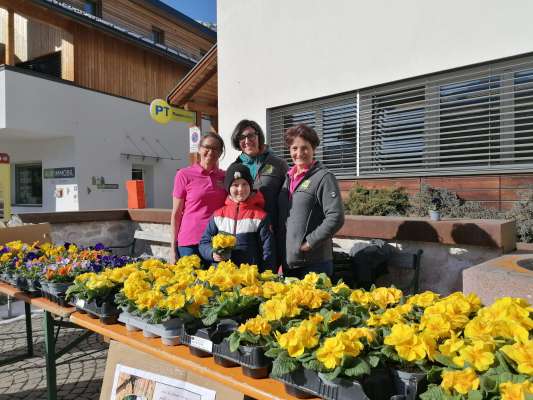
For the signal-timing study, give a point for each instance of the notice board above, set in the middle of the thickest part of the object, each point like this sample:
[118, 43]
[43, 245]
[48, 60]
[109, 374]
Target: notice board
[121, 354]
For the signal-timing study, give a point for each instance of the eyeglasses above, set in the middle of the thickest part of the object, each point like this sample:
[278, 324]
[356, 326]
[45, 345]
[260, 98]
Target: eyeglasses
[211, 148]
[249, 136]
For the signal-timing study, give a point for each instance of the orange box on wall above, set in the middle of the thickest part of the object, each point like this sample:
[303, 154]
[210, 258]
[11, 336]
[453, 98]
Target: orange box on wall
[135, 190]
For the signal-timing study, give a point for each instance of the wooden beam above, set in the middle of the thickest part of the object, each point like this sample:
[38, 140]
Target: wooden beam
[67, 56]
[10, 43]
[201, 108]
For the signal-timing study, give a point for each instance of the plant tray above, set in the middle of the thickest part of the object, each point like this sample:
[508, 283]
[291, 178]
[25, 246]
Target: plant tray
[107, 312]
[169, 331]
[304, 383]
[58, 299]
[201, 342]
[251, 358]
[409, 384]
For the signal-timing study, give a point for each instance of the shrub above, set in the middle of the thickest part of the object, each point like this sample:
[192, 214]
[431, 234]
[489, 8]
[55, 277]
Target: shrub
[451, 205]
[381, 202]
[522, 213]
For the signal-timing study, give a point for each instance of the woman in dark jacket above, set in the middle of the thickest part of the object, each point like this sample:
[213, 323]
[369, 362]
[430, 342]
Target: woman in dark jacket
[310, 208]
[267, 170]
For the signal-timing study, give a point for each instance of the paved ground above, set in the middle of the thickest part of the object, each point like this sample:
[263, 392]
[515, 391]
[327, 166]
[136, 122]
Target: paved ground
[79, 372]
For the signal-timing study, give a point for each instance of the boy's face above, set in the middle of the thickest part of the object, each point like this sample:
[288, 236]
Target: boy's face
[239, 190]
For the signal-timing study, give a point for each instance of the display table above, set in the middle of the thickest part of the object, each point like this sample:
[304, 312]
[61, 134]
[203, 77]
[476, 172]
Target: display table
[51, 312]
[260, 389]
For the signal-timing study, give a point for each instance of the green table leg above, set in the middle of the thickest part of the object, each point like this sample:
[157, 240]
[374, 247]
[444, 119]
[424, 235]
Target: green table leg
[50, 355]
[29, 332]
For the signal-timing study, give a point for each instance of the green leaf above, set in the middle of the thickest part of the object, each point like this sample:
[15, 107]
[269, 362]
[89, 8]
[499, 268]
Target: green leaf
[360, 368]
[445, 360]
[434, 374]
[274, 352]
[283, 365]
[234, 341]
[333, 374]
[373, 361]
[475, 395]
[434, 392]
[313, 364]
[210, 318]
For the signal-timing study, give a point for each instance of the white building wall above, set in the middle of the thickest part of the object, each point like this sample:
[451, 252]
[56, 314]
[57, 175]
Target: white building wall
[64, 126]
[277, 52]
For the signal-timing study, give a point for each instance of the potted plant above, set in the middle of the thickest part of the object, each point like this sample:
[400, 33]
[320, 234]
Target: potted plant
[223, 244]
[435, 206]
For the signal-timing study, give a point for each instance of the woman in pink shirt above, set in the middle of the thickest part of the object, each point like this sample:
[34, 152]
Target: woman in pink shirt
[198, 192]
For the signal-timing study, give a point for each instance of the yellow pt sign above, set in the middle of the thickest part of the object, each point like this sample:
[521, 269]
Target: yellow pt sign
[162, 113]
[5, 188]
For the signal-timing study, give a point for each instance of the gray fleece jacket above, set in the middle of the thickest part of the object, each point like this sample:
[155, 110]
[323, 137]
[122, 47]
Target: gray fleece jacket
[314, 213]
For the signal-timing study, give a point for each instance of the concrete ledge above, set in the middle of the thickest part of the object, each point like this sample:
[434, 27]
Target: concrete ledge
[476, 232]
[498, 234]
[499, 277]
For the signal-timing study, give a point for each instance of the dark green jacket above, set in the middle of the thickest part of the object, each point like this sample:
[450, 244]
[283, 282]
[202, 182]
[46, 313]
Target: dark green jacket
[269, 181]
[313, 214]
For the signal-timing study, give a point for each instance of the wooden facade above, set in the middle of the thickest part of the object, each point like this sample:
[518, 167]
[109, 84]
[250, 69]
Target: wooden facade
[92, 57]
[137, 17]
[500, 192]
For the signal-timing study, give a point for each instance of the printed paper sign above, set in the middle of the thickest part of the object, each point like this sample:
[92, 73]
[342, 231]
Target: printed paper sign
[135, 384]
[194, 139]
[202, 344]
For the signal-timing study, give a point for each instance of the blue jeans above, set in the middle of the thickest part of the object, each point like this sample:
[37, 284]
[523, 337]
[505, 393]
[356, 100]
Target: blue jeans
[188, 250]
[324, 266]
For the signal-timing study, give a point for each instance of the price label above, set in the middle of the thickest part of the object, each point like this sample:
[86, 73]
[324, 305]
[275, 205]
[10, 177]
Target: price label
[80, 303]
[202, 344]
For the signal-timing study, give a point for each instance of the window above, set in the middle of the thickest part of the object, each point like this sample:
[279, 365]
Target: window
[158, 36]
[334, 120]
[93, 7]
[29, 184]
[470, 120]
[137, 174]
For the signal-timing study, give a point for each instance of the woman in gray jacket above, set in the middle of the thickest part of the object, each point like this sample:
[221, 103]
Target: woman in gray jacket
[310, 208]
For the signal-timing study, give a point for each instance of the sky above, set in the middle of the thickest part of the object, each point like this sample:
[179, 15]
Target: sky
[203, 10]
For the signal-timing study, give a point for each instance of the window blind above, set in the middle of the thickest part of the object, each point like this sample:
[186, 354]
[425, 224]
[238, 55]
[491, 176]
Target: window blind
[335, 121]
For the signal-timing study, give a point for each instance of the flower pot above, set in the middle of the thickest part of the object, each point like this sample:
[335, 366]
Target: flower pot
[434, 215]
[21, 283]
[58, 288]
[409, 384]
[224, 253]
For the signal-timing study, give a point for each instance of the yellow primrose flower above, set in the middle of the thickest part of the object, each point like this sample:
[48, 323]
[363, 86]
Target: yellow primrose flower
[451, 346]
[99, 282]
[292, 342]
[423, 299]
[522, 354]
[223, 241]
[84, 277]
[383, 296]
[436, 324]
[268, 275]
[477, 354]
[460, 381]
[360, 296]
[198, 294]
[331, 352]
[148, 299]
[407, 344]
[341, 286]
[254, 290]
[271, 289]
[515, 391]
[193, 261]
[257, 326]
[354, 334]
[173, 302]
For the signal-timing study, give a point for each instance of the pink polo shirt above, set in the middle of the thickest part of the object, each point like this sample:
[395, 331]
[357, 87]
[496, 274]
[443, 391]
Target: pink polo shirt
[203, 192]
[297, 178]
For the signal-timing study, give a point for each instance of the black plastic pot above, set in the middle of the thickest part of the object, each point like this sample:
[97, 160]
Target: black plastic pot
[409, 384]
[251, 358]
[210, 336]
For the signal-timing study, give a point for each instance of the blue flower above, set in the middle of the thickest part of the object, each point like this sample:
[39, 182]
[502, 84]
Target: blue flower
[99, 246]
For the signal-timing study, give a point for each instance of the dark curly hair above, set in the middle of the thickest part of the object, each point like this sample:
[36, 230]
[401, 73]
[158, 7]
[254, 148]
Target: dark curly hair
[241, 126]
